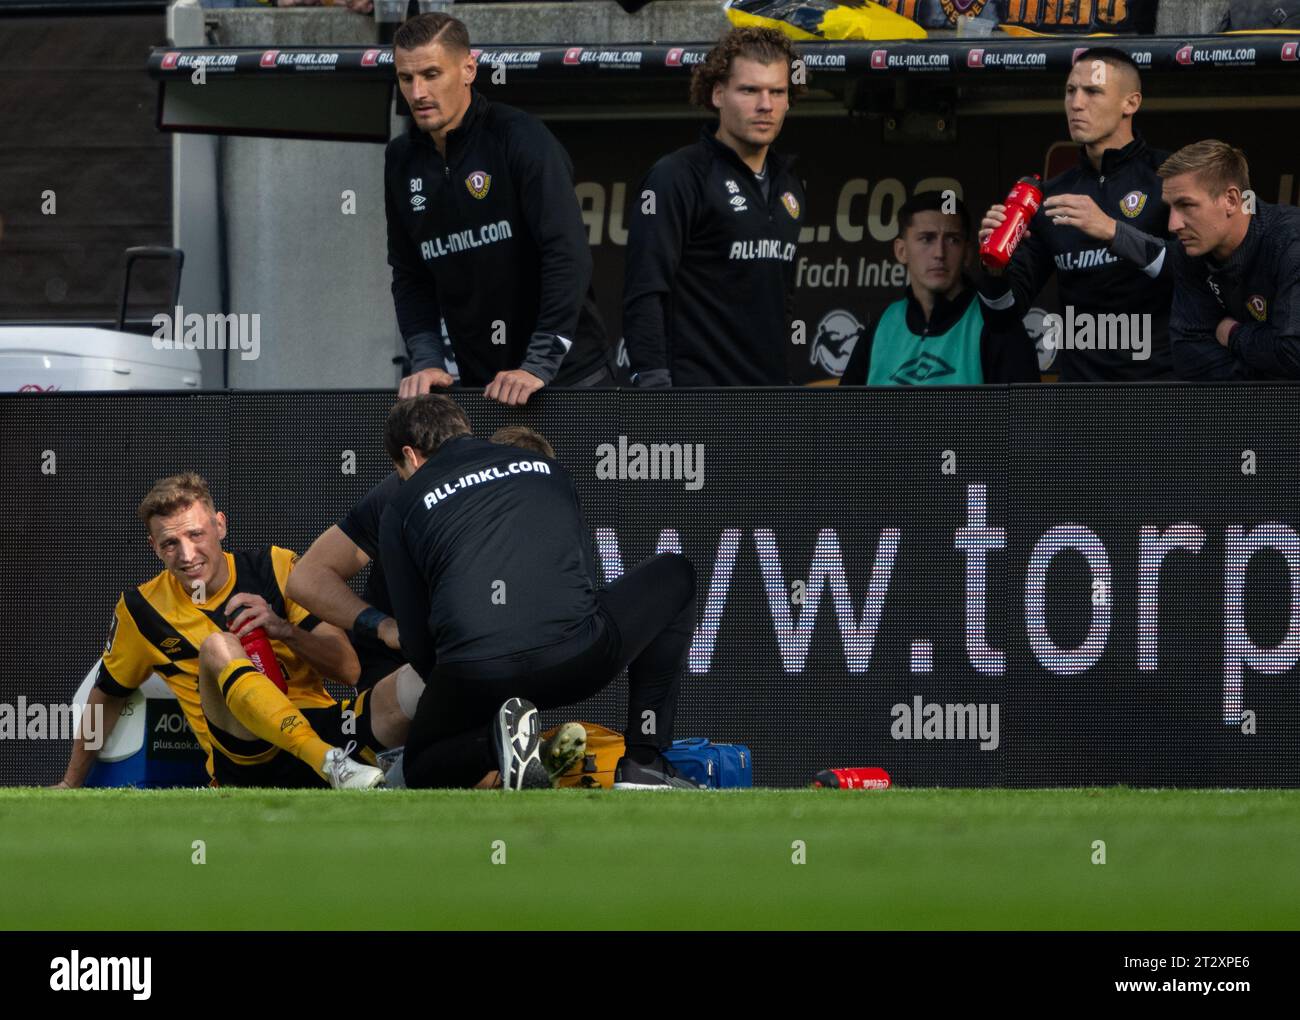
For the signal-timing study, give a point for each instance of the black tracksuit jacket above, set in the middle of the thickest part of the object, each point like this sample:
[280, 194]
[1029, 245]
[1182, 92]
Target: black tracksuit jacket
[1129, 276]
[710, 273]
[1259, 286]
[492, 234]
[486, 556]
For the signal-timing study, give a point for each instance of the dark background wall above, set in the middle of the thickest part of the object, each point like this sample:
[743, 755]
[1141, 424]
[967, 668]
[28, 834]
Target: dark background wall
[77, 118]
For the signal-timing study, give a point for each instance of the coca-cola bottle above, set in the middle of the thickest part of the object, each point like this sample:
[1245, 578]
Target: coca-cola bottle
[257, 646]
[1022, 203]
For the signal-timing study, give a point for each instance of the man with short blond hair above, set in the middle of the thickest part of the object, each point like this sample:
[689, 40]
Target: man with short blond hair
[186, 624]
[1236, 261]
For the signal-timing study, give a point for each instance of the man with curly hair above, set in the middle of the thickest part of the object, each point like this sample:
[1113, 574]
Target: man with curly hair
[711, 247]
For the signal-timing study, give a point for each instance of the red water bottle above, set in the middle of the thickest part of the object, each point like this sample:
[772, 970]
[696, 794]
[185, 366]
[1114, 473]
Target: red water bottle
[1022, 203]
[257, 646]
[853, 779]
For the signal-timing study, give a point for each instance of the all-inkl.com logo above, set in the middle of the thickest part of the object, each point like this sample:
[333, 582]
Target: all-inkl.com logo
[1291, 51]
[1184, 54]
[370, 58]
[975, 58]
[573, 55]
[879, 60]
[269, 57]
[169, 60]
[674, 58]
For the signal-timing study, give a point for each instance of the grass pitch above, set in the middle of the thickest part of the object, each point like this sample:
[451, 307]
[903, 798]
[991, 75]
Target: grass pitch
[901, 859]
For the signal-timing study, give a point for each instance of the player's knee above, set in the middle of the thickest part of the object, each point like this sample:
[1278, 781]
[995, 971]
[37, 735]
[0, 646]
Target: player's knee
[218, 650]
[409, 688]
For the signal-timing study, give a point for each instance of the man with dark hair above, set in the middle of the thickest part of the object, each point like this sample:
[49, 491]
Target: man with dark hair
[484, 232]
[1236, 270]
[1102, 231]
[938, 334]
[344, 550]
[711, 245]
[493, 585]
[320, 583]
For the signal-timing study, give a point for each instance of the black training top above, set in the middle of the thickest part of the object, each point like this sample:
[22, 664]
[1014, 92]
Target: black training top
[491, 239]
[710, 270]
[1259, 286]
[486, 556]
[1128, 276]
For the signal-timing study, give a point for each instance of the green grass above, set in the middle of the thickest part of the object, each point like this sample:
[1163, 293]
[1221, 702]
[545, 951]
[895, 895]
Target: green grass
[946, 859]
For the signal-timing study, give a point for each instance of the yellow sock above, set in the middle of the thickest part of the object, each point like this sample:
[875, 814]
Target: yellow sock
[266, 712]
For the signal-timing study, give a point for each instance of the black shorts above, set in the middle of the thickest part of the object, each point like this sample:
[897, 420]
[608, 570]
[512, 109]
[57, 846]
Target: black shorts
[237, 762]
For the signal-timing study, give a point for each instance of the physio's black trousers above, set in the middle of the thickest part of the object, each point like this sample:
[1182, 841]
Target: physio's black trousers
[644, 622]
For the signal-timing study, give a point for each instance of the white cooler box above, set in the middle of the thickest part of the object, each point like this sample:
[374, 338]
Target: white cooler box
[38, 359]
[151, 745]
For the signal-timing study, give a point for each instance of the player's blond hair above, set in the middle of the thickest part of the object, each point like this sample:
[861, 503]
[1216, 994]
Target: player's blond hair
[175, 493]
[1217, 165]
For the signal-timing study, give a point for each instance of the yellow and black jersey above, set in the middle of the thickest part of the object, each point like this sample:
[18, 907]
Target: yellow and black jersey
[158, 628]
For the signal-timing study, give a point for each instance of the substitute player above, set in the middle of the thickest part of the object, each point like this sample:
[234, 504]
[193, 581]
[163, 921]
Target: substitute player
[1236, 272]
[1102, 228]
[939, 334]
[173, 625]
[320, 583]
[484, 232]
[711, 245]
[492, 581]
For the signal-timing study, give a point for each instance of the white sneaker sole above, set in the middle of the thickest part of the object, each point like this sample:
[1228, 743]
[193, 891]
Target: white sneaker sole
[520, 771]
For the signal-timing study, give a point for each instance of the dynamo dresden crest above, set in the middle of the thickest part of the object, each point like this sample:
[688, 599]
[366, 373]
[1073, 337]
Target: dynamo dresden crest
[955, 9]
[791, 204]
[478, 183]
[1258, 307]
[1133, 203]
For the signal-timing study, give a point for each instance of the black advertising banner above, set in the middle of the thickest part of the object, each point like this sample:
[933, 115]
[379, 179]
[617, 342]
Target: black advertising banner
[639, 61]
[846, 272]
[1025, 586]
